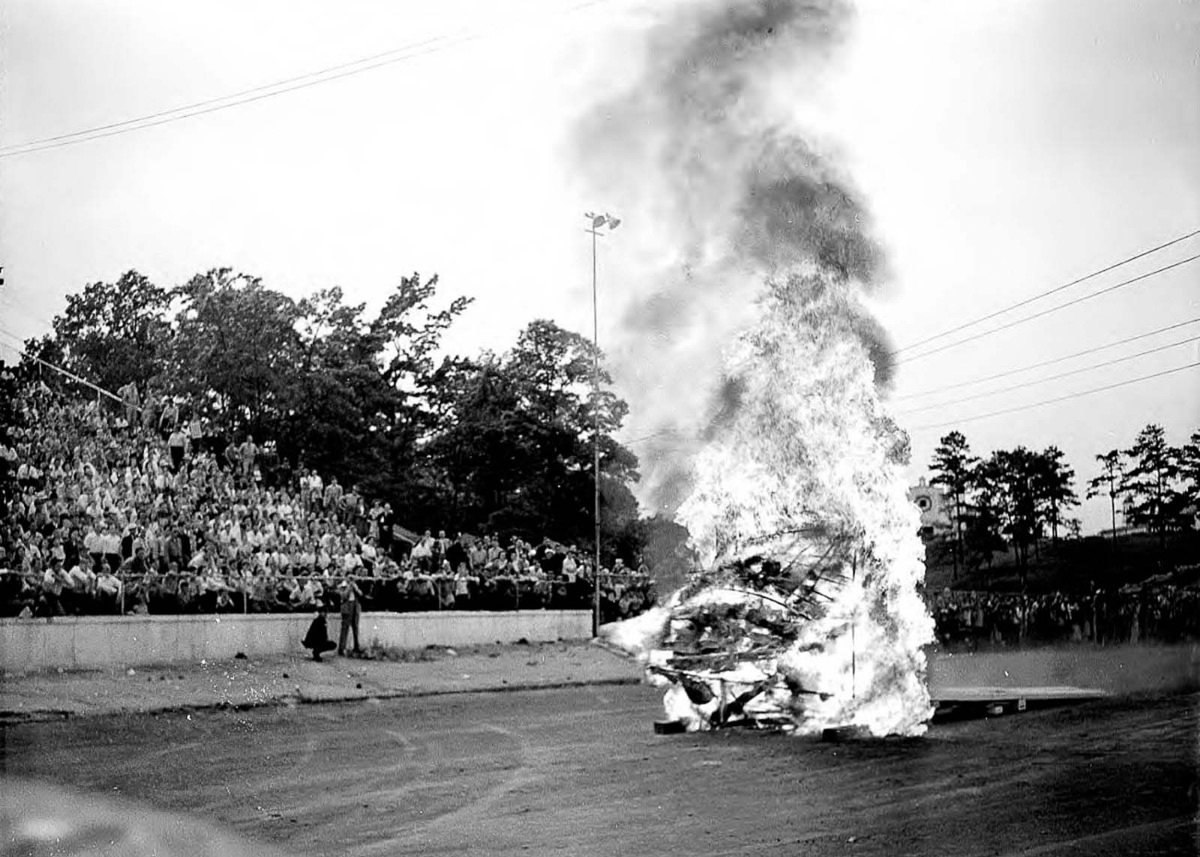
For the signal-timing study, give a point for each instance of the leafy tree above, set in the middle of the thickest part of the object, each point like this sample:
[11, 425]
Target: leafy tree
[406, 337]
[334, 421]
[237, 349]
[1112, 476]
[111, 334]
[983, 526]
[952, 466]
[1012, 479]
[518, 440]
[1053, 485]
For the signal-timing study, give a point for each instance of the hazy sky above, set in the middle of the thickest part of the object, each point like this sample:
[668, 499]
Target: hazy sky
[1004, 147]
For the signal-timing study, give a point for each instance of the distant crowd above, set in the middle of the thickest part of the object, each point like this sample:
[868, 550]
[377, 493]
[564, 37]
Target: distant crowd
[1157, 613]
[144, 508]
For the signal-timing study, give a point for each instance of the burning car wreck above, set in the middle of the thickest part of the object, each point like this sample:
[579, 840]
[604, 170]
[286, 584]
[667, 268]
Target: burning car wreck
[803, 612]
[758, 374]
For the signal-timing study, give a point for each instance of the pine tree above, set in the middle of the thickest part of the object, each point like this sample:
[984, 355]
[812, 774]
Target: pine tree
[1151, 483]
[953, 465]
[1189, 472]
[1112, 476]
[1053, 484]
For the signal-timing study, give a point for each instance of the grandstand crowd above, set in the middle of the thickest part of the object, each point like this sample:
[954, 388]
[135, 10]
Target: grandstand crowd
[140, 507]
[1158, 613]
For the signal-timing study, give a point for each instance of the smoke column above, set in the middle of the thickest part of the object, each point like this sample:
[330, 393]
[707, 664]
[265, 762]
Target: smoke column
[706, 148]
[751, 359]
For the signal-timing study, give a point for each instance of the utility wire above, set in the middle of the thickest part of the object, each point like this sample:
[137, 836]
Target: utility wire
[205, 103]
[1059, 399]
[258, 93]
[1104, 347]
[1046, 312]
[1034, 383]
[657, 434]
[1041, 295]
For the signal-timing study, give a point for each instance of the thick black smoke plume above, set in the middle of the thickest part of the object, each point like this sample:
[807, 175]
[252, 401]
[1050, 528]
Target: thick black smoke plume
[708, 153]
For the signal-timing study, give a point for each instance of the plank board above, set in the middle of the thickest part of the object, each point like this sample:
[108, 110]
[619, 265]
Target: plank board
[967, 695]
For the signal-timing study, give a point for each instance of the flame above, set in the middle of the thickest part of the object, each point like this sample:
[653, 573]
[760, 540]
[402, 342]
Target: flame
[809, 473]
[755, 360]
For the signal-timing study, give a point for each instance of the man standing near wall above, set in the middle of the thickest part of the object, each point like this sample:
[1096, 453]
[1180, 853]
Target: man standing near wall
[351, 608]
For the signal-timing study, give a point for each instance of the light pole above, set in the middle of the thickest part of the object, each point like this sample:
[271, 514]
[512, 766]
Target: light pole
[596, 223]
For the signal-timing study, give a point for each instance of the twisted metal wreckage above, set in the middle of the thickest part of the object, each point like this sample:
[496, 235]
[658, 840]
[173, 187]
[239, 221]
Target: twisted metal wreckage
[726, 635]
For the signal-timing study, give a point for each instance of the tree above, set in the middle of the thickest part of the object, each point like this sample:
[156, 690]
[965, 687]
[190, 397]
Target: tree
[952, 466]
[1053, 485]
[1189, 473]
[1150, 483]
[111, 334]
[1011, 479]
[517, 440]
[406, 337]
[1112, 475]
[237, 350]
[982, 536]
[332, 423]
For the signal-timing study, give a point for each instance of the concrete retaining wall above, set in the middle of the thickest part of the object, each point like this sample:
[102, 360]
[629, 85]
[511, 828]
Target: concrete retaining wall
[105, 641]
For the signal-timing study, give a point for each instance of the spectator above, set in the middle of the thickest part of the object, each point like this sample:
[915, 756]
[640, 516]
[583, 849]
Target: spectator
[350, 606]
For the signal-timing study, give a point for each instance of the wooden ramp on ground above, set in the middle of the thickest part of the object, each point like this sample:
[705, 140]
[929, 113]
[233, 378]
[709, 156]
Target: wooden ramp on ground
[1012, 698]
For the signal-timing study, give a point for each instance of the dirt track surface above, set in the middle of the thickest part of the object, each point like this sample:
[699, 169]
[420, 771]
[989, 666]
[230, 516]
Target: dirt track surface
[284, 679]
[579, 771]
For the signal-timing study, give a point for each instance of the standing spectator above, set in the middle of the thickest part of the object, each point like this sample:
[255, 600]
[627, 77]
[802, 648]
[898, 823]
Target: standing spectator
[231, 456]
[351, 608]
[333, 497]
[457, 556]
[247, 455]
[477, 556]
[422, 553]
[168, 421]
[440, 545]
[53, 581]
[387, 520]
[177, 444]
[132, 402]
[196, 434]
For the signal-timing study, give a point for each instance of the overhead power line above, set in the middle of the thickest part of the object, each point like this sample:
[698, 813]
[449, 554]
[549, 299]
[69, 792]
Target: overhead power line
[1034, 383]
[1044, 294]
[197, 104]
[258, 93]
[1050, 362]
[1059, 399]
[1046, 312]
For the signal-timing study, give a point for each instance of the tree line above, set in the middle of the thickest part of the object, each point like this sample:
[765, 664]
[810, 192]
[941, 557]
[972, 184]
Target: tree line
[496, 442]
[1015, 497]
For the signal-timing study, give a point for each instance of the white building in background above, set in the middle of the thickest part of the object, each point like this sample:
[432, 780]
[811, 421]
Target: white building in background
[935, 506]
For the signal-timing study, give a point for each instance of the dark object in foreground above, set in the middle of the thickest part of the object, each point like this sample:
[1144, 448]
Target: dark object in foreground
[669, 727]
[838, 734]
[317, 638]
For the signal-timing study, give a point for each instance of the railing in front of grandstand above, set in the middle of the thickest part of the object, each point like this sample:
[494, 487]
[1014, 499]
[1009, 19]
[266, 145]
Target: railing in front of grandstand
[622, 595]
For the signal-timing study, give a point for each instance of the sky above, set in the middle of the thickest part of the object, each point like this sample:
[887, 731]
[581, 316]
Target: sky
[1004, 148]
